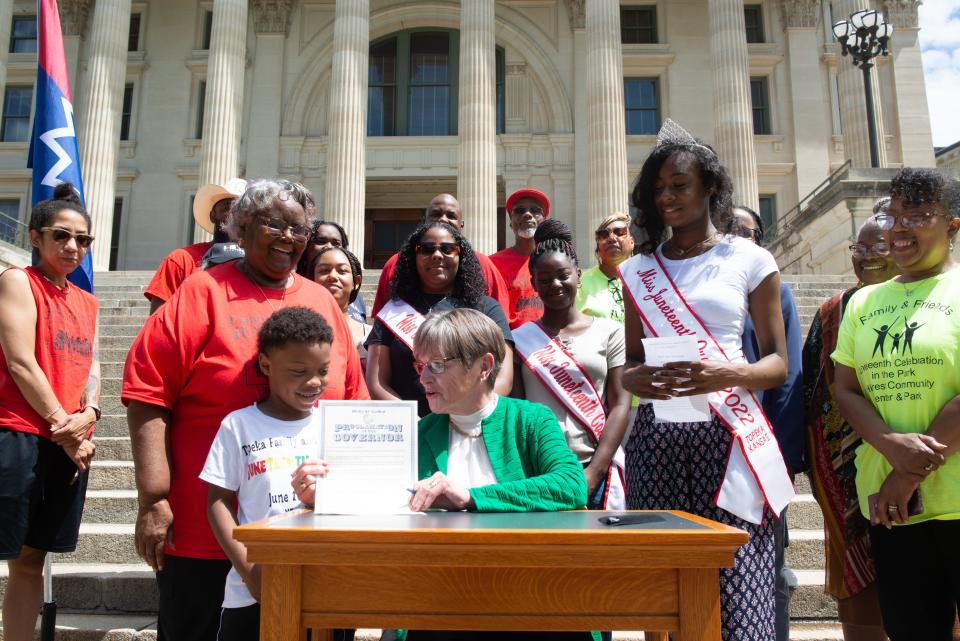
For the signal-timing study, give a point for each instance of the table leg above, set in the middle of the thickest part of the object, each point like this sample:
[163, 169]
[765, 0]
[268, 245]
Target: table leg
[280, 599]
[699, 605]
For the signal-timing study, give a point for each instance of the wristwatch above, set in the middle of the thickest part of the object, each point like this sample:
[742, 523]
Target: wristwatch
[95, 408]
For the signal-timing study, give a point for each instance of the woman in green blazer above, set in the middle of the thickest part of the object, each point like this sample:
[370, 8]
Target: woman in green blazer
[480, 451]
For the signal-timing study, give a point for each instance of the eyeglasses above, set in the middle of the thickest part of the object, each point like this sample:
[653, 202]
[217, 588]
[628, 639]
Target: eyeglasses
[751, 234]
[886, 222]
[520, 210]
[878, 249]
[277, 226]
[447, 249]
[61, 235]
[619, 232]
[436, 366]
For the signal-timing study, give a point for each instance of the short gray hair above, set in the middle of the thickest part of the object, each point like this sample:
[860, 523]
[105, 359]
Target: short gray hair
[259, 196]
[464, 334]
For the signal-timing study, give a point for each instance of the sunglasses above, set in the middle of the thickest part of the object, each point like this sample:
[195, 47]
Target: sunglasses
[276, 227]
[619, 232]
[447, 249]
[520, 210]
[61, 235]
[886, 222]
[879, 249]
[436, 366]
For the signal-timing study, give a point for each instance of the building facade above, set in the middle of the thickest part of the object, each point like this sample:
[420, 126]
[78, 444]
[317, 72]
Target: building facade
[377, 105]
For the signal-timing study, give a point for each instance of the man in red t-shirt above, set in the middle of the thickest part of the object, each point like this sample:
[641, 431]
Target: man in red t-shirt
[211, 210]
[444, 208]
[527, 208]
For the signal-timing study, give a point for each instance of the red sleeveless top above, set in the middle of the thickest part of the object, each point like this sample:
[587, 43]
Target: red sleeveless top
[66, 323]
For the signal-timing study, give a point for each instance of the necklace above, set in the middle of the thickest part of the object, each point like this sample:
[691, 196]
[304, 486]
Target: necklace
[283, 292]
[683, 252]
[465, 434]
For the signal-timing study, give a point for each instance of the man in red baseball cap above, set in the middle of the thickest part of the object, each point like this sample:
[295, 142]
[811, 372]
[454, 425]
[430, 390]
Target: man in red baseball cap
[527, 208]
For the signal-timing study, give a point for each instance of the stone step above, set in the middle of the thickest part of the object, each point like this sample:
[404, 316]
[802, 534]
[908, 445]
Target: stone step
[111, 369]
[117, 303]
[808, 600]
[115, 587]
[126, 329]
[114, 354]
[104, 541]
[115, 315]
[110, 506]
[806, 549]
[111, 475]
[113, 448]
[111, 424]
[116, 342]
[805, 513]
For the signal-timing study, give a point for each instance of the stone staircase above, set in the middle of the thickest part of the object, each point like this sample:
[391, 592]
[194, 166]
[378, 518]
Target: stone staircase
[104, 591]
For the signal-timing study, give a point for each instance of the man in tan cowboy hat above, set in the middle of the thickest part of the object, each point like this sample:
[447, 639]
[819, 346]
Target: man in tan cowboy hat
[211, 210]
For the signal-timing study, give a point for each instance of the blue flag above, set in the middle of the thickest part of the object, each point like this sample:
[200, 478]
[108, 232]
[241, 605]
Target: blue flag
[53, 155]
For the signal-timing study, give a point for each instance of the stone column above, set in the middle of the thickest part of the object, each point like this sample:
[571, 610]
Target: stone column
[73, 22]
[582, 232]
[606, 141]
[910, 93]
[100, 109]
[223, 103]
[733, 115]
[345, 194]
[810, 107]
[853, 106]
[477, 166]
[270, 20]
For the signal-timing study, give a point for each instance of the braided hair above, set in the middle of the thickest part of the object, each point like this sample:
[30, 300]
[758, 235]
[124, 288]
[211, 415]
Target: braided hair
[553, 236]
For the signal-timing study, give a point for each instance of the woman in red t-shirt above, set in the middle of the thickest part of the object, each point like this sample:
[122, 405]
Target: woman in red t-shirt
[50, 385]
[193, 363]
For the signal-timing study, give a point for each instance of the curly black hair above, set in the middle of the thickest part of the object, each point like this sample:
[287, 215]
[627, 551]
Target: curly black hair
[293, 325]
[553, 236]
[917, 186]
[469, 284]
[713, 174]
[65, 196]
[354, 267]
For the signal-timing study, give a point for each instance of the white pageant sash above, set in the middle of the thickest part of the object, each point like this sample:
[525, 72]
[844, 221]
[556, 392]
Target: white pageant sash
[402, 319]
[756, 474]
[564, 377]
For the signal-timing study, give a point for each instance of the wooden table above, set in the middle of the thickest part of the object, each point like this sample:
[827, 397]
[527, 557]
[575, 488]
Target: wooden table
[463, 571]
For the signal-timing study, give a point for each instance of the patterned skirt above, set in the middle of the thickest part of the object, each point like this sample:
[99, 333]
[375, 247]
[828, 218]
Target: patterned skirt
[679, 466]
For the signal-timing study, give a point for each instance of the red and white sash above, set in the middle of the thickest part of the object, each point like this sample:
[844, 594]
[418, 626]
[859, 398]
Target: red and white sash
[402, 319]
[756, 474]
[564, 377]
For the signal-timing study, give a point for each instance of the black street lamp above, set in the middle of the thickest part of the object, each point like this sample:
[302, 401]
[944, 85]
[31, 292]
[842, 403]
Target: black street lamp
[864, 37]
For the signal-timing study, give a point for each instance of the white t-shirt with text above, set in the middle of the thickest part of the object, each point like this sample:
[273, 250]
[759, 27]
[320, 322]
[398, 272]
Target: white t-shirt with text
[254, 455]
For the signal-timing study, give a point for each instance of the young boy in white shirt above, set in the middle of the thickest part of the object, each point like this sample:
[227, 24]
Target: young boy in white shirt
[257, 449]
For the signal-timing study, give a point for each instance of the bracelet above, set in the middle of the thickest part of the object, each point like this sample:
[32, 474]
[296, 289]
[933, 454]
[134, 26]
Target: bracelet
[55, 410]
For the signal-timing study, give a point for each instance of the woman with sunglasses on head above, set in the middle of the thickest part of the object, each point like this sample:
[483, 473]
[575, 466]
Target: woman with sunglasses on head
[897, 383]
[338, 271]
[832, 444]
[601, 290]
[437, 270]
[50, 386]
[327, 233]
[594, 416]
[193, 363]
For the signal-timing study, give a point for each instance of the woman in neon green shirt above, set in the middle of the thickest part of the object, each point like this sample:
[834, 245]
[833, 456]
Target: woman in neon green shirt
[898, 385]
[601, 292]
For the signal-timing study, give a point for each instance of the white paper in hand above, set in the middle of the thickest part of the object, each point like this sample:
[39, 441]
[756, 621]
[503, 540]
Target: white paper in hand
[668, 349]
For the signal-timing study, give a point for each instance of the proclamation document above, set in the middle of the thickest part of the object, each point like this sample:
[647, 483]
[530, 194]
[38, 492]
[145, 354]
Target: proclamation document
[670, 349]
[371, 448]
